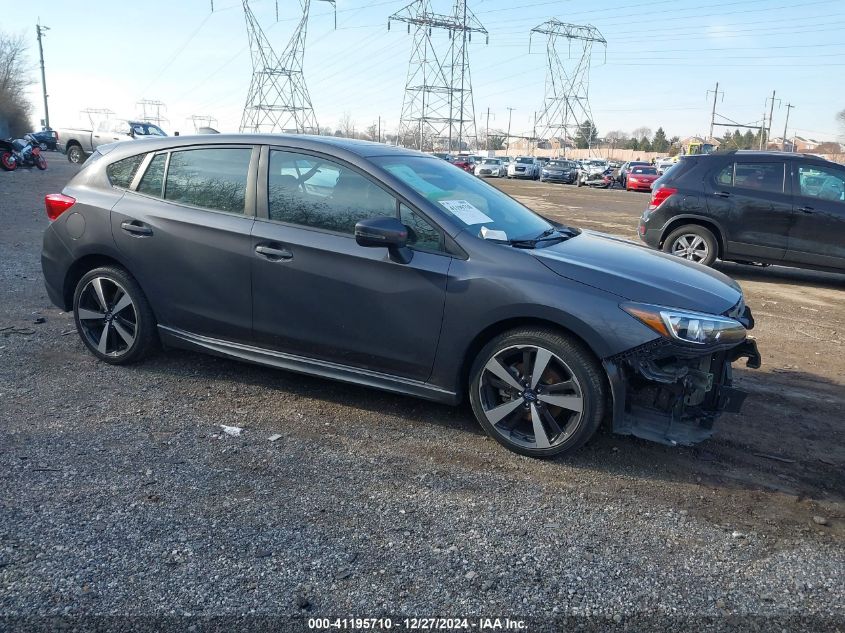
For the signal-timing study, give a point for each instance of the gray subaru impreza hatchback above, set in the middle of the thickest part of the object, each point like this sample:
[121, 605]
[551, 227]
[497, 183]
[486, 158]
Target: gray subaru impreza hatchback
[388, 268]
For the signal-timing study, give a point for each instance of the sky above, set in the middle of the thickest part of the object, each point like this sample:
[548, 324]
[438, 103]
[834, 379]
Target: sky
[662, 57]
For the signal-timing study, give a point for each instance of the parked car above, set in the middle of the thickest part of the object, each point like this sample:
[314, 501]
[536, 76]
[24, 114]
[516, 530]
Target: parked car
[491, 167]
[388, 268]
[762, 207]
[79, 143]
[623, 171]
[559, 171]
[592, 168]
[45, 139]
[524, 167]
[664, 164]
[641, 178]
[463, 162]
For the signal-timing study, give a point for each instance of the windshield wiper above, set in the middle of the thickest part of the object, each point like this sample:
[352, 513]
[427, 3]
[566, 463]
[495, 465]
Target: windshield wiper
[545, 236]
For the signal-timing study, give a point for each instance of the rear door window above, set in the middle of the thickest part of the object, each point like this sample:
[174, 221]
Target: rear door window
[213, 178]
[768, 177]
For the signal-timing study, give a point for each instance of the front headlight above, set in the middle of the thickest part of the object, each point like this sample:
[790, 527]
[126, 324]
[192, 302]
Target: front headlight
[689, 327]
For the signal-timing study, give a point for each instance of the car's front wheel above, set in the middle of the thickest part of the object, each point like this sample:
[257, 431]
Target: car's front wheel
[75, 154]
[537, 392]
[113, 317]
[693, 242]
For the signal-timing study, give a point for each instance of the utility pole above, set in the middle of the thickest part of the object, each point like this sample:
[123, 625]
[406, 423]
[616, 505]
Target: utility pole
[510, 113]
[771, 113]
[40, 30]
[379, 128]
[762, 129]
[789, 106]
[534, 135]
[487, 134]
[713, 111]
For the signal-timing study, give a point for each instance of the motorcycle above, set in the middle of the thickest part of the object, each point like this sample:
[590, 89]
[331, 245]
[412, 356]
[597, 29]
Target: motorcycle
[21, 152]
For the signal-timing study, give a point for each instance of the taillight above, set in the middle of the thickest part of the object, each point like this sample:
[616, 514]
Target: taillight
[57, 203]
[659, 196]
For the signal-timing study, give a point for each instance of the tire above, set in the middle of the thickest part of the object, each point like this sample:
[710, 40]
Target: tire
[580, 391]
[134, 321]
[75, 154]
[694, 243]
[42, 147]
[8, 162]
[41, 163]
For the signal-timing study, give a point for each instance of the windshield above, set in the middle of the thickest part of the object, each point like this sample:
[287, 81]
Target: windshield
[525, 160]
[466, 198]
[491, 161]
[147, 129]
[644, 170]
[561, 164]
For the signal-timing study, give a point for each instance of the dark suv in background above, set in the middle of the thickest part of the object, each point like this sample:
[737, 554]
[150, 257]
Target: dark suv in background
[750, 207]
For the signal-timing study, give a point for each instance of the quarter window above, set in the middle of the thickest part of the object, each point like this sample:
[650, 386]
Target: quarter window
[821, 182]
[153, 179]
[212, 178]
[122, 172]
[421, 233]
[322, 194]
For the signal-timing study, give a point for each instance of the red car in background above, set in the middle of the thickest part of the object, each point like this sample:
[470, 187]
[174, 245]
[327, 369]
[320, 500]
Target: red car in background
[466, 164]
[641, 178]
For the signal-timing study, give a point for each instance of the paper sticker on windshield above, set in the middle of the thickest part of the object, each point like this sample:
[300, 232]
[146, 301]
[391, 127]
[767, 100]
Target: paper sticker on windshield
[465, 212]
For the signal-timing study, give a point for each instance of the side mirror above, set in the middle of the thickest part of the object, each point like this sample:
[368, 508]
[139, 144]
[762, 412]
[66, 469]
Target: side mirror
[386, 232]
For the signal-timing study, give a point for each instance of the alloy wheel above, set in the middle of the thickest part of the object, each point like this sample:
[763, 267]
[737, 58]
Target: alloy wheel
[107, 317]
[690, 246]
[531, 397]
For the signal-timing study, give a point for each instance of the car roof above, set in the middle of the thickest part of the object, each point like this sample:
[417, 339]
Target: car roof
[339, 145]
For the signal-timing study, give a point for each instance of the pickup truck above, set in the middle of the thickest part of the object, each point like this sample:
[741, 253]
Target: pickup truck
[79, 143]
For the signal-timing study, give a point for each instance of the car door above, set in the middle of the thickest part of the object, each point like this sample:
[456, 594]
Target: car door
[184, 231]
[102, 134]
[318, 294]
[817, 236]
[751, 198]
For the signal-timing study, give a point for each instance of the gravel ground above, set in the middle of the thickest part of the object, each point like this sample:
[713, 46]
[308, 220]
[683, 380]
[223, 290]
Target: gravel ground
[123, 497]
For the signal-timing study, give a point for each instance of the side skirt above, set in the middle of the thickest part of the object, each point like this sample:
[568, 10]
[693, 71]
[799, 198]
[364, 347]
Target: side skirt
[179, 338]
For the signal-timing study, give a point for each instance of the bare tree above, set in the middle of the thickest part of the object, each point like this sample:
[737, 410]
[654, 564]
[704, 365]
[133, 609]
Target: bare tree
[14, 106]
[372, 132]
[841, 118]
[346, 126]
[641, 132]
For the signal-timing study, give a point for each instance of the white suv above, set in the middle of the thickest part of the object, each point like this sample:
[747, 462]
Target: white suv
[524, 167]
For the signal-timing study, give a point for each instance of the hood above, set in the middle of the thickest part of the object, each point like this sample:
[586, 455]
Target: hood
[638, 273]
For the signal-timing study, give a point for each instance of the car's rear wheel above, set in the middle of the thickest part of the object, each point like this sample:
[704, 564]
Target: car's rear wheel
[537, 392]
[693, 242]
[113, 317]
[75, 154]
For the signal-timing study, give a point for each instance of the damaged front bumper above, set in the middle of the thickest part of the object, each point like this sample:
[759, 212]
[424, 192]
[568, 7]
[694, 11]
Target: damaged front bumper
[671, 393]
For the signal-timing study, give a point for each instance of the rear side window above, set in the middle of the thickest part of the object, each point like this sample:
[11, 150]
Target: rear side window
[212, 178]
[122, 172]
[759, 176]
[153, 179]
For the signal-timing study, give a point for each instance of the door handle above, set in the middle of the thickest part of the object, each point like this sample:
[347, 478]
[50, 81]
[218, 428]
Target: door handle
[136, 228]
[722, 194]
[273, 253]
[806, 209]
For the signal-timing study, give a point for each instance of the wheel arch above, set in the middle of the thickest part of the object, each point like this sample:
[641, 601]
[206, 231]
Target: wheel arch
[82, 266]
[504, 325]
[711, 225]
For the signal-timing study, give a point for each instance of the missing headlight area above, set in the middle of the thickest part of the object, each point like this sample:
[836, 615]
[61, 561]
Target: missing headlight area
[671, 394]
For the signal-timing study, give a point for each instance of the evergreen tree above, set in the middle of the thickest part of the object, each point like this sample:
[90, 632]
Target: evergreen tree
[645, 144]
[660, 143]
[586, 135]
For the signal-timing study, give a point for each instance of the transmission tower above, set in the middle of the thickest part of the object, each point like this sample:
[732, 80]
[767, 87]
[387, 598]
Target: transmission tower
[566, 101]
[95, 115]
[202, 120]
[151, 111]
[278, 99]
[438, 110]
